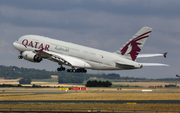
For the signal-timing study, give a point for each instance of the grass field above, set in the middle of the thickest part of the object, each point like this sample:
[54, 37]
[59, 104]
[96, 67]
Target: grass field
[98, 94]
[143, 84]
[11, 81]
[43, 82]
[91, 96]
[54, 78]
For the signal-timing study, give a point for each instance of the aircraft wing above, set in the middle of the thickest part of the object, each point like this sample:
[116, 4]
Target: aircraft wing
[64, 59]
[151, 55]
[153, 64]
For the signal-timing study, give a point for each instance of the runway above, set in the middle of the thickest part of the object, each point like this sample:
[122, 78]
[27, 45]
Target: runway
[90, 90]
[95, 101]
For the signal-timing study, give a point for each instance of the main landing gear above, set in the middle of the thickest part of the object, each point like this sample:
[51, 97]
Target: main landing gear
[73, 70]
[80, 70]
[61, 69]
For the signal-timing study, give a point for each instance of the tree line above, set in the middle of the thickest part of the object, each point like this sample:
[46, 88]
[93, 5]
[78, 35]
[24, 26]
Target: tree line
[95, 83]
[13, 72]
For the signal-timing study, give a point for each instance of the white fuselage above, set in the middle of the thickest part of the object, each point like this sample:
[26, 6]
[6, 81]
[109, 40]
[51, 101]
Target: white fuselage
[79, 56]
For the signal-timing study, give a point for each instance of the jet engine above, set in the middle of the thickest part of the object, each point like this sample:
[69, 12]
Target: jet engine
[30, 56]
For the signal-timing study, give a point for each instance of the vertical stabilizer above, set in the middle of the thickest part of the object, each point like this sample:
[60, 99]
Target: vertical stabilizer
[133, 47]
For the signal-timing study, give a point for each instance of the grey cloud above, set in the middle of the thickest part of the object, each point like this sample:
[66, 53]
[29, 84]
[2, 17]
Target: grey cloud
[60, 20]
[80, 14]
[163, 8]
[40, 4]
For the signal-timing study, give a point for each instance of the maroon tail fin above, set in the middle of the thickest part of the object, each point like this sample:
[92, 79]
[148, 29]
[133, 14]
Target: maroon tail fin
[135, 44]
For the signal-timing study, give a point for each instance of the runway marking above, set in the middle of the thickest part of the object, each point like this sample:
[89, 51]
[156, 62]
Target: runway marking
[146, 90]
[64, 88]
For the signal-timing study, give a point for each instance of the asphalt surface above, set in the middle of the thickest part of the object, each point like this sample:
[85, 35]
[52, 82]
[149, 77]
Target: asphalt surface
[95, 101]
[37, 91]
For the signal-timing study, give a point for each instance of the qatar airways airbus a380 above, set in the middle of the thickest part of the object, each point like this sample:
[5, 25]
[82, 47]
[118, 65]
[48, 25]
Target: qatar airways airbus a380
[35, 48]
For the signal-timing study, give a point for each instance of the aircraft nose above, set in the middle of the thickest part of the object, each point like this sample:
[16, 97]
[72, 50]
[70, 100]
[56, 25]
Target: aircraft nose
[15, 45]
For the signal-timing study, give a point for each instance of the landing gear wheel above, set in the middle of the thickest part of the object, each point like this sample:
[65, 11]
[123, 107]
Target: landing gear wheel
[80, 70]
[61, 69]
[71, 71]
[20, 56]
[68, 70]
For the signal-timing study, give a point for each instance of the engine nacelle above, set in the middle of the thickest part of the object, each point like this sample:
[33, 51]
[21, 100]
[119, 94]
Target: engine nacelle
[30, 56]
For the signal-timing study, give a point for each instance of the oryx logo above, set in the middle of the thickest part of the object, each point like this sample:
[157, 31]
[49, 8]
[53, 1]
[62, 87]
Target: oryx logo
[132, 48]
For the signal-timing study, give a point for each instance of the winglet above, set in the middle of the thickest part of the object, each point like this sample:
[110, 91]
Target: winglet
[165, 55]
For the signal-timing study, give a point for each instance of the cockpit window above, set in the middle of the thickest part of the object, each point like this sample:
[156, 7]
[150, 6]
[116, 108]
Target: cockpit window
[17, 40]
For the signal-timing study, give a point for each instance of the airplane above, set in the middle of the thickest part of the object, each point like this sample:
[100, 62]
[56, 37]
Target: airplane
[35, 48]
[177, 75]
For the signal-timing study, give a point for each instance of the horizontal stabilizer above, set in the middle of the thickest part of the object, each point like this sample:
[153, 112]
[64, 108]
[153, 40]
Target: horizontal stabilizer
[153, 64]
[151, 55]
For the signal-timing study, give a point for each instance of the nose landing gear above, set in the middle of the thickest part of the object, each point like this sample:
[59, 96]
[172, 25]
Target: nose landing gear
[20, 57]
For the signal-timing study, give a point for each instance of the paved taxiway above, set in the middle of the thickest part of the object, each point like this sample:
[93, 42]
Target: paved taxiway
[36, 91]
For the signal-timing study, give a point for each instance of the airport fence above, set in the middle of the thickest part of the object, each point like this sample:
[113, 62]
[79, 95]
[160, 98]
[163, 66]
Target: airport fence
[82, 110]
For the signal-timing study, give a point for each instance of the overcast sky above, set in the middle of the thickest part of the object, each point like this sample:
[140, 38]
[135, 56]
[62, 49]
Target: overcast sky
[101, 24]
